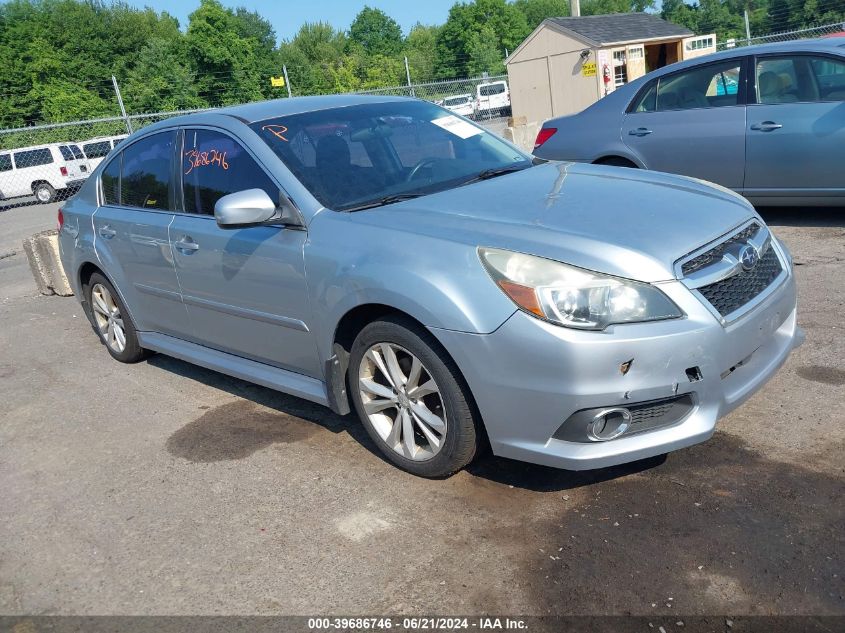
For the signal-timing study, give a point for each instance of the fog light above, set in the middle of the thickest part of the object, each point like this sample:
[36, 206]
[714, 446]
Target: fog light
[609, 424]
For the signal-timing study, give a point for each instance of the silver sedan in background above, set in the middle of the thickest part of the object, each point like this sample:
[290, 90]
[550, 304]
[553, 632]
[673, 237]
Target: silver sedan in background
[766, 121]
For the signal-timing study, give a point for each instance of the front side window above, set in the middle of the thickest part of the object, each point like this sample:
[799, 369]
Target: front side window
[214, 165]
[710, 86]
[145, 176]
[5, 162]
[358, 155]
[66, 153]
[33, 158]
[799, 78]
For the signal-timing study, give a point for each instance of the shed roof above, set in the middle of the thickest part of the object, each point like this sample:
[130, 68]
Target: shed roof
[619, 27]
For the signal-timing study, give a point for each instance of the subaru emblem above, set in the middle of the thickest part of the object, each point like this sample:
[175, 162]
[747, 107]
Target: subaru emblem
[748, 257]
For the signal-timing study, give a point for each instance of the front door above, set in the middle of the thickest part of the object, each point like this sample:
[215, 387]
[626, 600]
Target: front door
[244, 289]
[131, 232]
[692, 123]
[795, 139]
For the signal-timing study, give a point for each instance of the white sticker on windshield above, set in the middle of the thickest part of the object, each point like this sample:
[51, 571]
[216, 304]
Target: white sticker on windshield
[457, 126]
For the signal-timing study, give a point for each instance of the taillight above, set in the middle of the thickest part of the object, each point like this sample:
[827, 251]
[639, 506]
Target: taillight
[63, 170]
[544, 135]
[61, 219]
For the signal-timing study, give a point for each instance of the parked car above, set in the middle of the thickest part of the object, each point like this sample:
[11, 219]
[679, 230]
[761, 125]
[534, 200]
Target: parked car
[460, 104]
[96, 149]
[493, 99]
[765, 121]
[383, 254]
[45, 171]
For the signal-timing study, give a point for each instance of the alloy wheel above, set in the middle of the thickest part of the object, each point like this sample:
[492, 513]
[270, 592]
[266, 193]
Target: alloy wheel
[108, 318]
[402, 401]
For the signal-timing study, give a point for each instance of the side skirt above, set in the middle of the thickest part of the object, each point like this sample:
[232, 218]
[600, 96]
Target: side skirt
[265, 375]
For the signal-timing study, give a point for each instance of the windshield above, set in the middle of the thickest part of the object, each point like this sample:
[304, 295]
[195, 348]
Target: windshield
[351, 156]
[491, 89]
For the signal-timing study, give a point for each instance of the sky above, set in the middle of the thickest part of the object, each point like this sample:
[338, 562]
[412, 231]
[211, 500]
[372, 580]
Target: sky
[287, 16]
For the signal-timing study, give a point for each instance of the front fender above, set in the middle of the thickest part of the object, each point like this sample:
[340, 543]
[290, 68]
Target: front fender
[440, 283]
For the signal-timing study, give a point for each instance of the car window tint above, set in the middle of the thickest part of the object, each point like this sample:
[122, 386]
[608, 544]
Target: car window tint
[492, 89]
[110, 181]
[5, 162]
[66, 153]
[829, 77]
[214, 165]
[97, 150]
[33, 158]
[778, 81]
[77, 153]
[710, 86]
[145, 176]
[647, 101]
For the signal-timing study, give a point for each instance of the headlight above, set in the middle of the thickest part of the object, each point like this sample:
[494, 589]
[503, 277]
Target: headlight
[572, 296]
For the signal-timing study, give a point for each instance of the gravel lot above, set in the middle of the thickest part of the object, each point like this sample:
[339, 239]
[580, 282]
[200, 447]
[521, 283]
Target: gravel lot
[163, 488]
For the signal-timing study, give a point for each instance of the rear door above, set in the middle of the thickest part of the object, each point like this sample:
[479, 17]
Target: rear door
[692, 122]
[795, 139]
[130, 232]
[73, 167]
[95, 152]
[244, 289]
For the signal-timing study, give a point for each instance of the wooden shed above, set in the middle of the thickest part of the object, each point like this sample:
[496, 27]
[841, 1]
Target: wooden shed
[566, 64]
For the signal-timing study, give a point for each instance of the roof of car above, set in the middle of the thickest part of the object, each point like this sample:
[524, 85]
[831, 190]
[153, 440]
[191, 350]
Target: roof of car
[620, 27]
[818, 44]
[252, 112]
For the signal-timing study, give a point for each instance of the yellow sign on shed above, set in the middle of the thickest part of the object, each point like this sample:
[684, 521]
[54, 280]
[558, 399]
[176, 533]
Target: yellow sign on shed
[279, 82]
[588, 69]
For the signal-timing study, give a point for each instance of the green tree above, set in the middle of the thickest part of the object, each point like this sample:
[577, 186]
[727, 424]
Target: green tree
[421, 51]
[160, 80]
[376, 32]
[535, 11]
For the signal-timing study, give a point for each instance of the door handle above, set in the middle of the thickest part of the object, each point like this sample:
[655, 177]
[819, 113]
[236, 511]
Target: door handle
[106, 232]
[640, 131]
[186, 245]
[766, 126]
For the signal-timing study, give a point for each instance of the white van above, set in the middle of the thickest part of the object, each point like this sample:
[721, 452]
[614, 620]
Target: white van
[42, 171]
[460, 104]
[96, 149]
[493, 99]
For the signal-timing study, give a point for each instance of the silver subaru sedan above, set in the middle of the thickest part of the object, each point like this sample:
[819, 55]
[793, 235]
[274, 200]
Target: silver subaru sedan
[385, 255]
[766, 121]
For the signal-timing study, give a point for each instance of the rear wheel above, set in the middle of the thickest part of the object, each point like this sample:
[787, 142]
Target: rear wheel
[44, 192]
[411, 398]
[112, 321]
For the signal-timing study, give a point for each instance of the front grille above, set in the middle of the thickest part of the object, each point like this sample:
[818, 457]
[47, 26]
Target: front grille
[715, 253]
[734, 292]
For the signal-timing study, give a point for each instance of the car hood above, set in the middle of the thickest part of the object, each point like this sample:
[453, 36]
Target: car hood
[625, 222]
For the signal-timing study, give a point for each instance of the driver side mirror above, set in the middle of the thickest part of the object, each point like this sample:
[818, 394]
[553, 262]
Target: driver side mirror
[253, 207]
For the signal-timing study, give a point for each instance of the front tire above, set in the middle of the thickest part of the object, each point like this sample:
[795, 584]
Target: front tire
[112, 322]
[411, 398]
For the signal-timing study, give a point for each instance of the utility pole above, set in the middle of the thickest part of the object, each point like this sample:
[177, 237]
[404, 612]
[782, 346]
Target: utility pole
[408, 76]
[747, 29]
[287, 81]
[120, 103]
[575, 8]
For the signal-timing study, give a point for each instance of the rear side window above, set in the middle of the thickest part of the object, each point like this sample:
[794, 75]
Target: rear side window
[5, 162]
[492, 89]
[213, 166]
[77, 153]
[110, 182]
[66, 153]
[145, 175]
[710, 86]
[97, 150]
[647, 101]
[33, 158]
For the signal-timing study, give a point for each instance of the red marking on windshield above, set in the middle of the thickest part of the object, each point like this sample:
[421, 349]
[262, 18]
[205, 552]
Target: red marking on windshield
[198, 159]
[276, 130]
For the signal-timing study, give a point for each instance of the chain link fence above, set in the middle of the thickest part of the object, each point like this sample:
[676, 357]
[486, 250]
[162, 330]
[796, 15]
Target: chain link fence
[785, 36]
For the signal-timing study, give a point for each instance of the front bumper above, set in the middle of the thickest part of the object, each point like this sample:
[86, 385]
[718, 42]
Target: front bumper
[529, 376]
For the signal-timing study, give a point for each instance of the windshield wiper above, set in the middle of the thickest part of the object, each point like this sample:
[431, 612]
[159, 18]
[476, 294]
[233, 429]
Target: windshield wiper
[486, 174]
[396, 197]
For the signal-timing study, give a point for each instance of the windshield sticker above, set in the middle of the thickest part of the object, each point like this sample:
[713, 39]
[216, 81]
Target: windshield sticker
[457, 126]
[276, 130]
[212, 157]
